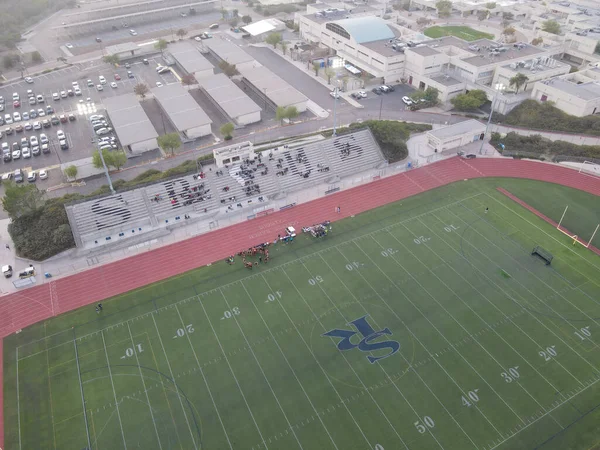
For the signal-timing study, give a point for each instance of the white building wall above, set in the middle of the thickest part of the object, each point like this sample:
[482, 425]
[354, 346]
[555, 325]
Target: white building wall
[566, 102]
[144, 146]
[194, 133]
[451, 142]
[248, 118]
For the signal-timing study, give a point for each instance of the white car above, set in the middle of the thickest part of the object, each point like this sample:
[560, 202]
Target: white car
[113, 85]
[197, 38]
[33, 141]
[60, 134]
[102, 131]
[37, 125]
[28, 126]
[69, 45]
[77, 91]
[335, 94]
[8, 119]
[26, 152]
[16, 117]
[41, 112]
[362, 94]
[102, 79]
[43, 138]
[43, 175]
[100, 87]
[55, 96]
[407, 101]
[133, 32]
[159, 84]
[63, 94]
[25, 115]
[28, 80]
[40, 98]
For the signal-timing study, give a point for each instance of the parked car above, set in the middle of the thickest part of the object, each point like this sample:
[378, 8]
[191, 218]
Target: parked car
[31, 176]
[130, 74]
[55, 96]
[45, 148]
[117, 77]
[32, 101]
[16, 116]
[49, 109]
[43, 174]
[103, 131]
[376, 91]
[35, 151]
[72, 117]
[55, 120]
[33, 114]
[33, 140]
[40, 98]
[102, 79]
[113, 85]
[28, 126]
[133, 32]
[63, 94]
[407, 101]
[41, 112]
[26, 152]
[37, 125]
[25, 115]
[100, 87]
[19, 128]
[28, 80]
[18, 175]
[60, 134]
[43, 138]
[63, 118]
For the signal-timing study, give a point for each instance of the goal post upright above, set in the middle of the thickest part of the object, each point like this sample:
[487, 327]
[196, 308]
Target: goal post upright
[593, 235]
[562, 217]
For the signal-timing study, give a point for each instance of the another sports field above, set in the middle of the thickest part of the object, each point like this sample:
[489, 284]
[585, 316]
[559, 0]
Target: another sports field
[424, 324]
[466, 33]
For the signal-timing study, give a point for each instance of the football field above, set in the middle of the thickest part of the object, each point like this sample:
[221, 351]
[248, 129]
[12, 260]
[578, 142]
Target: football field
[425, 324]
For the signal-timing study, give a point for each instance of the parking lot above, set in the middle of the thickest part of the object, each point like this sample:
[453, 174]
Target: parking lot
[79, 133]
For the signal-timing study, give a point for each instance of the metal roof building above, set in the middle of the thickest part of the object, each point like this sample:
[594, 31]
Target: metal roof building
[191, 60]
[228, 51]
[279, 92]
[182, 110]
[365, 29]
[456, 135]
[132, 126]
[231, 99]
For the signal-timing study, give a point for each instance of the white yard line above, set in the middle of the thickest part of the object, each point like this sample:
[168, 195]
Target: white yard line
[494, 264]
[287, 361]
[488, 300]
[232, 372]
[174, 382]
[87, 428]
[317, 360]
[144, 385]
[204, 378]
[261, 369]
[19, 400]
[113, 389]
[403, 357]
[395, 259]
[50, 393]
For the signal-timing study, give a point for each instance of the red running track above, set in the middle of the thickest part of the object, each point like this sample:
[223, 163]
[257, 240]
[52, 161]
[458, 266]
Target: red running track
[23, 308]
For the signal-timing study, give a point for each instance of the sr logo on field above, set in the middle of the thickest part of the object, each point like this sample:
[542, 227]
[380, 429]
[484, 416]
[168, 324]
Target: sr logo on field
[369, 342]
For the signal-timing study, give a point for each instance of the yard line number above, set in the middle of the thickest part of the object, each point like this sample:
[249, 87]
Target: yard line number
[549, 353]
[377, 447]
[189, 329]
[388, 252]
[315, 280]
[274, 296]
[131, 351]
[583, 333]
[421, 240]
[511, 374]
[450, 228]
[422, 425]
[235, 311]
[470, 398]
[353, 265]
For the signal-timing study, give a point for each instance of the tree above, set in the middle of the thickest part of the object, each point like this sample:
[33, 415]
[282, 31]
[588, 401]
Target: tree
[292, 112]
[246, 19]
[97, 161]
[8, 61]
[273, 39]
[551, 26]
[280, 114]
[316, 68]
[188, 79]
[71, 172]
[111, 59]
[329, 73]
[236, 13]
[429, 95]
[21, 199]
[508, 16]
[181, 33]
[141, 89]
[36, 57]
[161, 44]
[284, 47]
[537, 41]
[472, 100]
[482, 14]
[509, 31]
[227, 131]
[423, 21]
[169, 142]
[345, 80]
[118, 159]
[228, 69]
[444, 8]
[234, 22]
[517, 81]
[223, 13]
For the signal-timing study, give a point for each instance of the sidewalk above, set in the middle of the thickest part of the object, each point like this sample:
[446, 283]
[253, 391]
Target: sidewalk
[553, 136]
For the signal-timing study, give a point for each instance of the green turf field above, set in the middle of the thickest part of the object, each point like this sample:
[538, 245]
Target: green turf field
[466, 33]
[442, 332]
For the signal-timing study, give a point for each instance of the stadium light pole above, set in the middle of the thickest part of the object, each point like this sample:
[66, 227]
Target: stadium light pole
[335, 97]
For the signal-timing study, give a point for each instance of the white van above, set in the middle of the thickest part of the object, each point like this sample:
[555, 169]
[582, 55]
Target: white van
[7, 270]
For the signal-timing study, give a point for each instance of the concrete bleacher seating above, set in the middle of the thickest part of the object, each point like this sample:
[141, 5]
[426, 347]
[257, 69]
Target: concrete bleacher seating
[289, 168]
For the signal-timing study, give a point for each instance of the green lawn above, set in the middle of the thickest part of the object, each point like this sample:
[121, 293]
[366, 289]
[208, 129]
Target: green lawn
[466, 33]
[481, 345]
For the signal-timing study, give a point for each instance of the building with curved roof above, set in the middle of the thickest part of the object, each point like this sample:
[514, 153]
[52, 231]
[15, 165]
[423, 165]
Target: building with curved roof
[362, 29]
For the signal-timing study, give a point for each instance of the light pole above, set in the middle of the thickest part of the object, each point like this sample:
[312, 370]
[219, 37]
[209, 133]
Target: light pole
[380, 106]
[487, 126]
[335, 97]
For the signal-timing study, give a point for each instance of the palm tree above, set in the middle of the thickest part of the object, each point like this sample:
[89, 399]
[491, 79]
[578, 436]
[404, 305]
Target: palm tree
[518, 80]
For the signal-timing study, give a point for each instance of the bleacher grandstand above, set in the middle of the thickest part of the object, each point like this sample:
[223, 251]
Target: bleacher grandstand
[239, 188]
